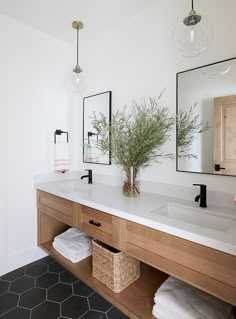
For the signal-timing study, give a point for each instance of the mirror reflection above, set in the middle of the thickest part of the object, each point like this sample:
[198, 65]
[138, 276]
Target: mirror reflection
[206, 119]
[98, 103]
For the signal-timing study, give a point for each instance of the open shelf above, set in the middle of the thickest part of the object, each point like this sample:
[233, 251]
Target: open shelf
[136, 301]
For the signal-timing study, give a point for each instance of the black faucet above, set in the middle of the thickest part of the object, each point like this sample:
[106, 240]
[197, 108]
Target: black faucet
[202, 196]
[90, 176]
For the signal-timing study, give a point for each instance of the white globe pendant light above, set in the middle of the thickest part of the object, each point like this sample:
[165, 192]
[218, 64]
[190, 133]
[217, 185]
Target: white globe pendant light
[193, 34]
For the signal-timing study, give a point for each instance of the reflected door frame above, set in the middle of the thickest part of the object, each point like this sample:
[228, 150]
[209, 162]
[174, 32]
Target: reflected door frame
[221, 106]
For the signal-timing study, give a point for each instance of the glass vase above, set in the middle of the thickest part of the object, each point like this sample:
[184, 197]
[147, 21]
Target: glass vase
[131, 181]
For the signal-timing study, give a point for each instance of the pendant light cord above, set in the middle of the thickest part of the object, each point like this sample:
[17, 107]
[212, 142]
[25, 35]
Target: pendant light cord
[77, 45]
[192, 4]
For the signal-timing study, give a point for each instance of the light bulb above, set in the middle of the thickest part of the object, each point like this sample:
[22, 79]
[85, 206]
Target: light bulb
[191, 35]
[76, 80]
[192, 40]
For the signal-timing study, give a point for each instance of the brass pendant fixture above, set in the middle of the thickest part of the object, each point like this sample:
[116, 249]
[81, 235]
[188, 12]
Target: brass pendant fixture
[77, 25]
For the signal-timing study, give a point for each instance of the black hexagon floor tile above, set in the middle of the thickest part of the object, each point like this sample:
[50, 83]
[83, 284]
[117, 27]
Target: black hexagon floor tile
[68, 277]
[74, 307]
[32, 298]
[13, 275]
[56, 267]
[43, 288]
[22, 284]
[36, 270]
[7, 302]
[97, 302]
[94, 315]
[82, 289]
[59, 292]
[47, 310]
[115, 313]
[47, 280]
[17, 313]
[4, 285]
[32, 263]
[46, 260]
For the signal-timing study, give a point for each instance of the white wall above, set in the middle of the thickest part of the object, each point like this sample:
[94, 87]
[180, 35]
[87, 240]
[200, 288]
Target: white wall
[133, 60]
[34, 104]
[138, 59]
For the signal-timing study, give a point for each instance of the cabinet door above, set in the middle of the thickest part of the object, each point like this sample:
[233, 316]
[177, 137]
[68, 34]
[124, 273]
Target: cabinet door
[225, 134]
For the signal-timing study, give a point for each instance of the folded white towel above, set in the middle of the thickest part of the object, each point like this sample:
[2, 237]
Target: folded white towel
[73, 244]
[73, 258]
[75, 254]
[176, 299]
[73, 240]
[61, 156]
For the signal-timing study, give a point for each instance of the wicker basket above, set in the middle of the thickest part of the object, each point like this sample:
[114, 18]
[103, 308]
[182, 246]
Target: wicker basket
[113, 268]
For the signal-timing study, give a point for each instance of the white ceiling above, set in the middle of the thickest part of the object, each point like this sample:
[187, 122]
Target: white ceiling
[55, 16]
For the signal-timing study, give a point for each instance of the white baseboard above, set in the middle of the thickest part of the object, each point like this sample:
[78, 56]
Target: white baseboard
[24, 257]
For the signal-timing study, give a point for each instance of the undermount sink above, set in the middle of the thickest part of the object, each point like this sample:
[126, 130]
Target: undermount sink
[194, 216]
[74, 187]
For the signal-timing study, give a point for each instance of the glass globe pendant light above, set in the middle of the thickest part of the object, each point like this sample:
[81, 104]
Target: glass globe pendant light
[76, 76]
[193, 34]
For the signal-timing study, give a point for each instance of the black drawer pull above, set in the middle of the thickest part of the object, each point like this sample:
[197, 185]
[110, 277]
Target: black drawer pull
[95, 223]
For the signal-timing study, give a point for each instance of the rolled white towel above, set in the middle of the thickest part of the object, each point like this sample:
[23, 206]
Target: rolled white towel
[161, 312]
[187, 302]
[73, 258]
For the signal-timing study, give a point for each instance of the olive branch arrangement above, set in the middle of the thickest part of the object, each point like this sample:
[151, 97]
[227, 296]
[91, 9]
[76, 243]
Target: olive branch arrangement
[187, 126]
[138, 137]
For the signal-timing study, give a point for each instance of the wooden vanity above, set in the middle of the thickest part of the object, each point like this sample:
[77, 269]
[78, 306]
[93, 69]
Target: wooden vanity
[161, 254]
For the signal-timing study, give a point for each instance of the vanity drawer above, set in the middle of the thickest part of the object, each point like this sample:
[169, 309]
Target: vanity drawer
[99, 225]
[206, 268]
[57, 207]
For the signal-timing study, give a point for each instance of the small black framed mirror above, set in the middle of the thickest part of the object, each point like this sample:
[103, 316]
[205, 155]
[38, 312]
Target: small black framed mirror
[97, 103]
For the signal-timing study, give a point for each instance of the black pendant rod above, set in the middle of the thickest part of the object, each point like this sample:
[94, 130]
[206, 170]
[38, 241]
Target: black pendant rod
[192, 4]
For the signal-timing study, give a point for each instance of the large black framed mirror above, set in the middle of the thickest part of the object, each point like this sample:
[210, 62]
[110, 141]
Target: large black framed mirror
[206, 119]
[97, 103]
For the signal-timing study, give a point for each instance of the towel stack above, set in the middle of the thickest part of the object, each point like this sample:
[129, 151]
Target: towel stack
[73, 245]
[176, 299]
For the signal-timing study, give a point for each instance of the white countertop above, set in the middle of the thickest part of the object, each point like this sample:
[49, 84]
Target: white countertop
[212, 227]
